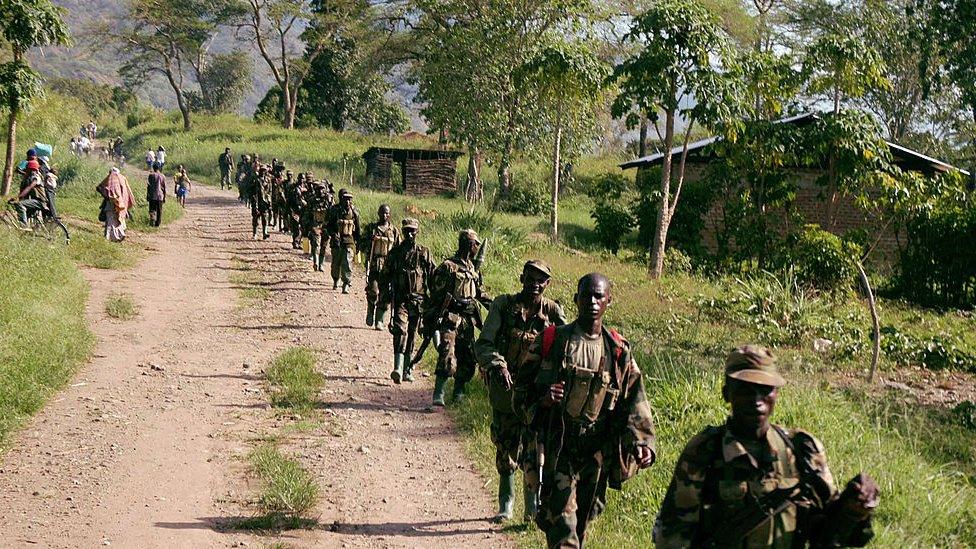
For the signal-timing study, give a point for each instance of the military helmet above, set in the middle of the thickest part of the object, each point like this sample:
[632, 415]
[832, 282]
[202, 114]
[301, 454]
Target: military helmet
[753, 364]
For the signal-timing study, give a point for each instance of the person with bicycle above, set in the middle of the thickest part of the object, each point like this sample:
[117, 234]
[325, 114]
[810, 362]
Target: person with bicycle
[31, 200]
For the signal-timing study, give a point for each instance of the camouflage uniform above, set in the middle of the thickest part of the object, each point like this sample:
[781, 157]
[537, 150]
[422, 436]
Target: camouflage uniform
[457, 283]
[315, 221]
[296, 204]
[344, 232]
[403, 284]
[226, 164]
[379, 240]
[243, 173]
[260, 198]
[279, 204]
[504, 343]
[603, 417]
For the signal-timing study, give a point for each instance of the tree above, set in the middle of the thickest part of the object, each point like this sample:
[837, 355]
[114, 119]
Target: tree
[224, 82]
[25, 24]
[290, 36]
[168, 38]
[569, 77]
[681, 71]
[950, 54]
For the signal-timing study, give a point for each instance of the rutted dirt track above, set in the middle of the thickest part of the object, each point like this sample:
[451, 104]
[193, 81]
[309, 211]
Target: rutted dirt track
[145, 447]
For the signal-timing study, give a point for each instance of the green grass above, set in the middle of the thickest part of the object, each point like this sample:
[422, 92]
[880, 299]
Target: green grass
[293, 381]
[43, 336]
[289, 491]
[121, 307]
[248, 283]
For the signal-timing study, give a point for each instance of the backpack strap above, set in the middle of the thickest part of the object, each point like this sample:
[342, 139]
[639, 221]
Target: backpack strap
[619, 340]
[548, 338]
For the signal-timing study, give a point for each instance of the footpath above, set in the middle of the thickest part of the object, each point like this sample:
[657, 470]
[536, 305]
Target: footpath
[147, 446]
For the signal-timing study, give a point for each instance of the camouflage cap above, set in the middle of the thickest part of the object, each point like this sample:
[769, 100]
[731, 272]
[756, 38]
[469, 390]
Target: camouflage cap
[469, 234]
[538, 265]
[753, 364]
[410, 223]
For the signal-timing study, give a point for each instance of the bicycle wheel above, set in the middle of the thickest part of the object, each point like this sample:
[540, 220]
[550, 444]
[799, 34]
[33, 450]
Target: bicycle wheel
[57, 230]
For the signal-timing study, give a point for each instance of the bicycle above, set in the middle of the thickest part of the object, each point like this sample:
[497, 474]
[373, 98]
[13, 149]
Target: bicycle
[39, 225]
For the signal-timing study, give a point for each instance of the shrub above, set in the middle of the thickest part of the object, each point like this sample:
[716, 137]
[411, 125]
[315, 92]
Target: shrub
[676, 261]
[294, 381]
[611, 210]
[821, 260]
[526, 199]
[934, 352]
[938, 264]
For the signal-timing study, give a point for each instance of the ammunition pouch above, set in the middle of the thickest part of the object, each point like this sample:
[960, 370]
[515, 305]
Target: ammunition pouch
[588, 393]
[346, 227]
[463, 307]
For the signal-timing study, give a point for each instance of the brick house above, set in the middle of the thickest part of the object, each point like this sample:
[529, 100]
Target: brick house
[810, 201]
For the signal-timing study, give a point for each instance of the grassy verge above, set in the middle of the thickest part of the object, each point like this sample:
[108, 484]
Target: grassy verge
[121, 307]
[288, 493]
[43, 337]
[294, 382]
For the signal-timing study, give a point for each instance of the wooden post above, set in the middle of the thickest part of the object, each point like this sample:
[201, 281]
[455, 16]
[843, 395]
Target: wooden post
[875, 324]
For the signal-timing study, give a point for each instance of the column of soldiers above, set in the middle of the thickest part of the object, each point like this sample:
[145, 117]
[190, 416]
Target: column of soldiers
[568, 404]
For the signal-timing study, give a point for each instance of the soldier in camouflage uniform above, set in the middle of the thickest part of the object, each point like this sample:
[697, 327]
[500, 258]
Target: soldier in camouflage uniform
[753, 484]
[514, 321]
[403, 285]
[260, 198]
[316, 220]
[345, 235]
[279, 205]
[454, 310]
[379, 238]
[584, 395]
[243, 172]
[295, 201]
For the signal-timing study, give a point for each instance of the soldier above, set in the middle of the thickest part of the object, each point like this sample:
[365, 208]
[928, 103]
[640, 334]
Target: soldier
[226, 164]
[379, 238]
[403, 285]
[296, 204]
[260, 198]
[316, 220]
[513, 323]
[243, 171]
[750, 483]
[344, 232]
[454, 310]
[584, 395]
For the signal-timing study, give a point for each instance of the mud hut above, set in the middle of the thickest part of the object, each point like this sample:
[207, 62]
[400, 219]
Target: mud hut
[412, 171]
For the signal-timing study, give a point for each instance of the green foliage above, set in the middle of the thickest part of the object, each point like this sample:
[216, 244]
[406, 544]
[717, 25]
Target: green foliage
[935, 352]
[294, 381]
[99, 99]
[844, 65]
[526, 199]
[610, 210]
[821, 260]
[121, 307]
[224, 81]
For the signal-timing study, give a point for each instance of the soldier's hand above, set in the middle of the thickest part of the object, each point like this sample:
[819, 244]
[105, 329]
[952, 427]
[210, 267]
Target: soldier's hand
[506, 378]
[861, 496]
[645, 457]
[555, 395]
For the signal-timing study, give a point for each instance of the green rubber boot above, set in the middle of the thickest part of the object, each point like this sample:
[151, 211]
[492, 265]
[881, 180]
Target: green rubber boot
[506, 497]
[408, 372]
[439, 384]
[531, 499]
[458, 391]
[397, 372]
[370, 314]
[380, 319]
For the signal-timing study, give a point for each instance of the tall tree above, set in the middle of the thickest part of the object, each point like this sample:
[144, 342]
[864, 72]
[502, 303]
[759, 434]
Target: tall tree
[952, 56]
[25, 24]
[680, 70]
[569, 77]
[169, 38]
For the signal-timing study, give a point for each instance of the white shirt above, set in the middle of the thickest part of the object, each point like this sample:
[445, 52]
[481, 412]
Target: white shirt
[150, 156]
[161, 156]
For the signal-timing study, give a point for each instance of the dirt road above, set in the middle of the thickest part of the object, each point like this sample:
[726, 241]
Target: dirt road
[146, 446]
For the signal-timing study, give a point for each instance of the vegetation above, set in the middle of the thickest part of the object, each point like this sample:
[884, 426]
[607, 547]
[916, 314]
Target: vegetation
[121, 307]
[294, 382]
[289, 490]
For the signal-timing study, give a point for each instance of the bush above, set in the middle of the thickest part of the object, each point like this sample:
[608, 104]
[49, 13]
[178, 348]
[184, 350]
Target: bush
[934, 352]
[526, 199]
[821, 260]
[938, 265]
[611, 211]
[676, 261]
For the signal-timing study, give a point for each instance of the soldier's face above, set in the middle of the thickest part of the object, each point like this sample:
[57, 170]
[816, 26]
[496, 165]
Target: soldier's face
[752, 404]
[410, 234]
[473, 247]
[384, 215]
[534, 282]
[592, 299]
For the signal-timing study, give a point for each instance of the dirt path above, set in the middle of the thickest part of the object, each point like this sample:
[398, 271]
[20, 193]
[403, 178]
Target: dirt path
[145, 447]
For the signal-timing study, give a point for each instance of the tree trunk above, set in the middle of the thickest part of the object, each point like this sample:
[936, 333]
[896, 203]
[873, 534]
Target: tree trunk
[180, 100]
[289, 108]
[875, 324]
[8, 167]
[473, 191]
[656, 267]
[642, 138]
[556, 169]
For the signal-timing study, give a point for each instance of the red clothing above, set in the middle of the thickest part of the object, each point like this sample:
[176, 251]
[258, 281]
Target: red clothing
[33, 164]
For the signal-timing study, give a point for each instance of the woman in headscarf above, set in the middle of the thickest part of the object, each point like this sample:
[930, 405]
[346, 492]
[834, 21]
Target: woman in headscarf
[118, 199]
